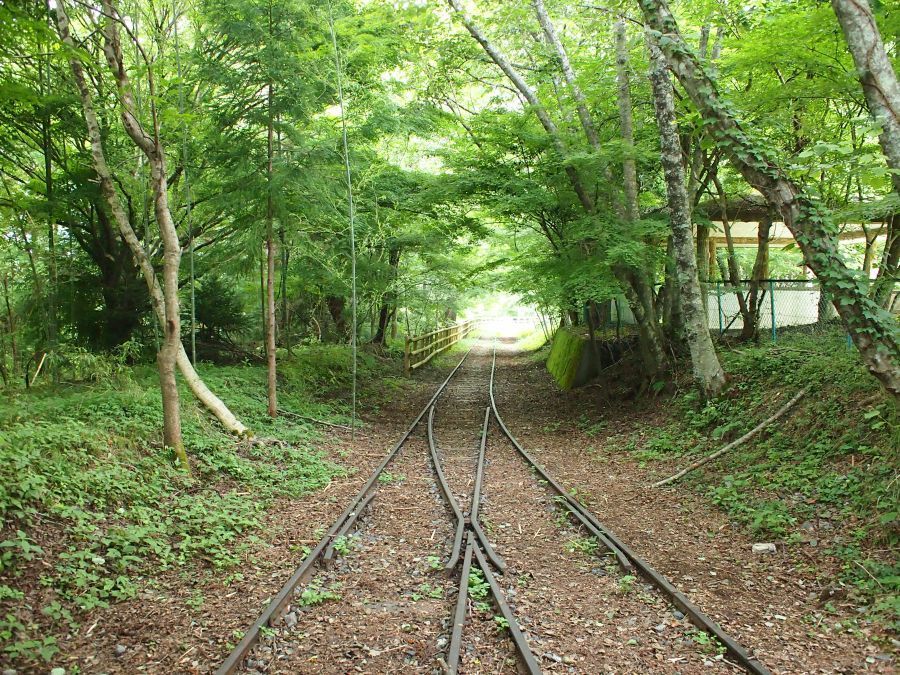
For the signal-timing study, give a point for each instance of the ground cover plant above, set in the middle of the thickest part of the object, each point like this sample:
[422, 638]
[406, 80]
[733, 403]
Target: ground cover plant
[824, 477]
[93, 507]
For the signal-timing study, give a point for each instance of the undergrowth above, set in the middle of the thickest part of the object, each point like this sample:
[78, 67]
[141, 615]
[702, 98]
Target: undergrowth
[92, 505]
[826, 475]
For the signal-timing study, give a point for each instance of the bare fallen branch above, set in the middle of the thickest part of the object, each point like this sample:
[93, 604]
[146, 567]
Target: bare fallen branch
[743, 439]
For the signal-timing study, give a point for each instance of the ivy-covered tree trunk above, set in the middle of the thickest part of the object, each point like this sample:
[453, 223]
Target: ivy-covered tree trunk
[141, 259]
[707, 370]
[872, 329]
[876, 74]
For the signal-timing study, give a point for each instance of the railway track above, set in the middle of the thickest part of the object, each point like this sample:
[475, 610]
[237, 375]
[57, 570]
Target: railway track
[465, 435]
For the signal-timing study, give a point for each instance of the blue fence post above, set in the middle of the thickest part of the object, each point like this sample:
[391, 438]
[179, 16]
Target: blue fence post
[719, 300]
[772, 305]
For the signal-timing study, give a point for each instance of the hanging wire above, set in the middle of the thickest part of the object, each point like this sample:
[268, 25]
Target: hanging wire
[353, 338]
[187, 187]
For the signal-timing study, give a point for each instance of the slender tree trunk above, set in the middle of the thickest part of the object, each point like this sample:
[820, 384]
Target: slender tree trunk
[11, 324]
[707, 370]
[872, 329]
[584, 115]
[760, 272]
[732, 268]
[389, 298]
[703, 261]
[639, 283]
[336, 305]
[271, 366]
[47, 149]
[531, 97]
[886, 281]
[626, 122]
[141, 259]
[151, 146]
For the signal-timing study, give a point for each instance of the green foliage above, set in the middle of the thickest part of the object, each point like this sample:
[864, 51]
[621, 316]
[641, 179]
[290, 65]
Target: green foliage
[316, 595]
[585, 545]
[478, 585]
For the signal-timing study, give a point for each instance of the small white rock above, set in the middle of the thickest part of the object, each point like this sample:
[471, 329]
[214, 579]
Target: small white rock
[764, 548]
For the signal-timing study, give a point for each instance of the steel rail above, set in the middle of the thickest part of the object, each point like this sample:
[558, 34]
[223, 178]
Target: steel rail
[461, 520]
[276, 606]
[697, 616]
[459, 616]
[479, 471]
[448, 496]
[512, 625]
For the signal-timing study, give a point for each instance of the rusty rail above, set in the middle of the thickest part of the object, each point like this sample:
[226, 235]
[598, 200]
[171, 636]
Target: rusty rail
[420, 349]
[692, 611]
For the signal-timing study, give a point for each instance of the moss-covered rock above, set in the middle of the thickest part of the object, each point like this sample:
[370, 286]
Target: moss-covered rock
[566, 358]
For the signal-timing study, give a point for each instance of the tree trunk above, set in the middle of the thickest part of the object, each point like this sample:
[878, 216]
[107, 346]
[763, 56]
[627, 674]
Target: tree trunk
[587, 124]
[884, 285]
[271, 367]
[151, 146]
[640, 293]
[707, 370]
[876, 74]
[760, 272]
[872, 329]
[626, 122]
[388, 300]
[733, 271]
[11, 325]
[336, 306]
[703, 262]
[46, 149]
[531, 97]
[141, 259]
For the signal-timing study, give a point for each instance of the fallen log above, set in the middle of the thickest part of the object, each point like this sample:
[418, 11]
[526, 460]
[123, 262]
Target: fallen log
[731, 446]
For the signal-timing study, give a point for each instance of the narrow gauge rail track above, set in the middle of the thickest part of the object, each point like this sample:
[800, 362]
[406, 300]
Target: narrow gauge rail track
[471, 546]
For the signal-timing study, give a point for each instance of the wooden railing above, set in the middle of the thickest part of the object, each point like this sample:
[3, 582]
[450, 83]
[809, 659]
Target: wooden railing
[421, 348]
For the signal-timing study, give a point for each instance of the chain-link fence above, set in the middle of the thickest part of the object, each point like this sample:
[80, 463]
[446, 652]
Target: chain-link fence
[764, 310]
[769, 308]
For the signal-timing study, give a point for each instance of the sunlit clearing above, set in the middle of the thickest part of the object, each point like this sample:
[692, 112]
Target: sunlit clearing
[501, 316]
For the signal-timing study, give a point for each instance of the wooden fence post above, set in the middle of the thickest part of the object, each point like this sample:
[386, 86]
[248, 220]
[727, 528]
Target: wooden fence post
[406, 360]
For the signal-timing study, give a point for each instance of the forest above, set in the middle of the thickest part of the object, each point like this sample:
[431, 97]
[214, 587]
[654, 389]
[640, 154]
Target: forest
[652, 245]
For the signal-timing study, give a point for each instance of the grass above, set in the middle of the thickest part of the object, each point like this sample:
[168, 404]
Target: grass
[93, 506]
[833, 459]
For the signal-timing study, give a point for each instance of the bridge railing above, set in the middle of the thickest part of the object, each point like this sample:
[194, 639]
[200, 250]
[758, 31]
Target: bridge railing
[420, 349]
